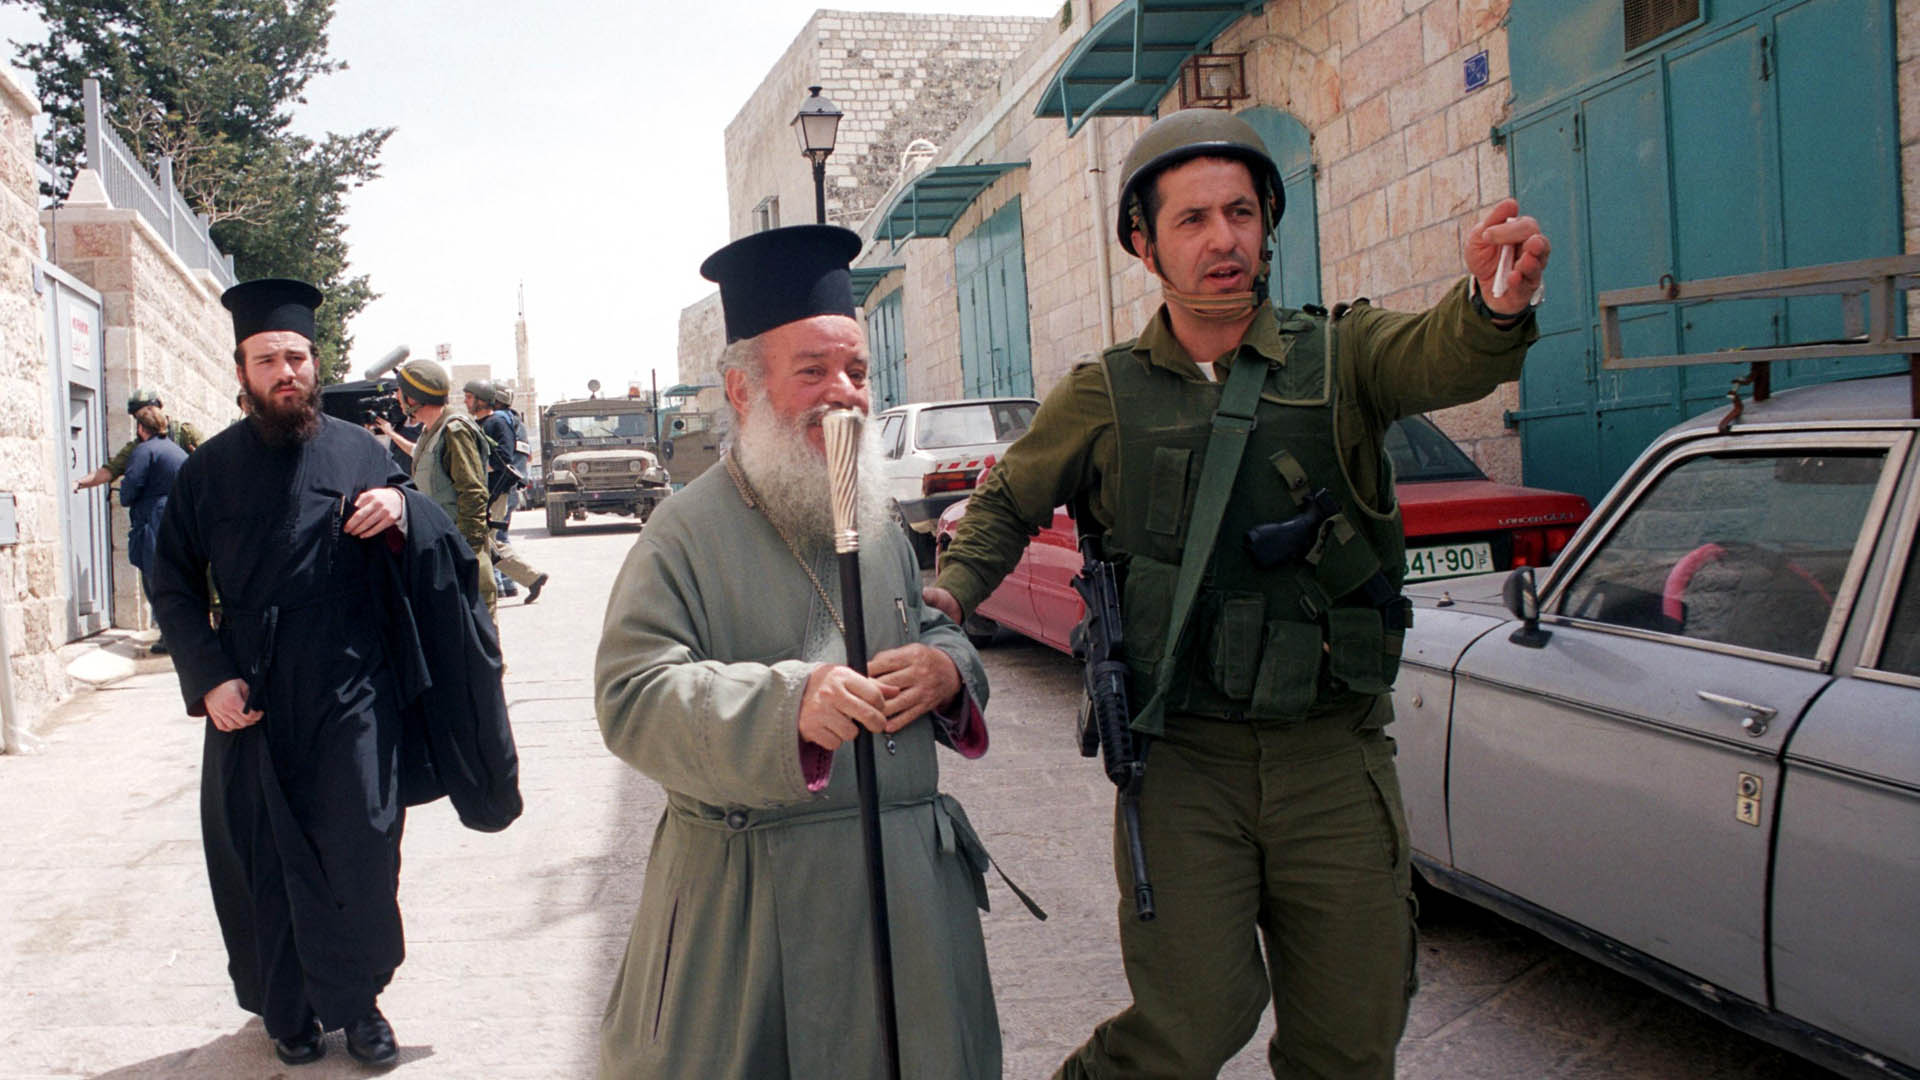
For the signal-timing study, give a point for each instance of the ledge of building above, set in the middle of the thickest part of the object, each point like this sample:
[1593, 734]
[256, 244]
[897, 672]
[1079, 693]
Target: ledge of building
[200, 281]
[18, 94]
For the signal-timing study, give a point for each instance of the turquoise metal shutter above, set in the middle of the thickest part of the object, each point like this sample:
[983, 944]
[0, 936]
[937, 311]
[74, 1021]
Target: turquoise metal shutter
[887, 378]
[990, 269]
[1764, 139]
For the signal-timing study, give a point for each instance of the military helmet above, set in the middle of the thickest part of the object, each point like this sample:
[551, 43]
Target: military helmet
[140, 399]
[503, 397]
[482, 389]
[1187, 134]
[424, 380]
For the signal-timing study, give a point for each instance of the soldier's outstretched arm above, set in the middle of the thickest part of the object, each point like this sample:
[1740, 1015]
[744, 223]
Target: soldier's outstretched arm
[1062, 453]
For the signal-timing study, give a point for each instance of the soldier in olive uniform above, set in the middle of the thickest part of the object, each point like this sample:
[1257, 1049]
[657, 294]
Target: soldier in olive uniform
[1271, 810]
[448, 466]
[509, 570]
[179, 431]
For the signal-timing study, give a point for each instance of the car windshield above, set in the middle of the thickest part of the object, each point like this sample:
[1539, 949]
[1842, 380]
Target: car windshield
[1420, 452]
[604, 426]
[973, 423]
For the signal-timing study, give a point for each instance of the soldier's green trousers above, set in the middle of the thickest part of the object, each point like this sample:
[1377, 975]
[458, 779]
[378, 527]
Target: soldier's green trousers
[1292, 836]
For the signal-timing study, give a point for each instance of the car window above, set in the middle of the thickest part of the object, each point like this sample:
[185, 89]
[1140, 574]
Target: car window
[1901, 652]
[971, 424]
[1011, 419]
[890, 434]
[1419, 451]
[1741, 549]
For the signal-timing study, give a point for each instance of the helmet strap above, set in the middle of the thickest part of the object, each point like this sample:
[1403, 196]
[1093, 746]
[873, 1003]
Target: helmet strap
[1212, 307]
[1221, 307]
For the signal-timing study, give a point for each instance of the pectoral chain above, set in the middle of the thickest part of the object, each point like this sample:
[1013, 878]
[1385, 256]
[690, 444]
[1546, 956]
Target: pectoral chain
[747, 495]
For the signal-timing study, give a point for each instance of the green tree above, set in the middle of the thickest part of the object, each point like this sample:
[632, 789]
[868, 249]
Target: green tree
[213, 84]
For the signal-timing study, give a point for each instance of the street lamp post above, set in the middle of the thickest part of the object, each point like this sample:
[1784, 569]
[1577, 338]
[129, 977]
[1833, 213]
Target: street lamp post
[816, 123]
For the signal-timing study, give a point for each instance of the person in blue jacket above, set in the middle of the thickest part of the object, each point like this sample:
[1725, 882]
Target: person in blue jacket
[143, 491]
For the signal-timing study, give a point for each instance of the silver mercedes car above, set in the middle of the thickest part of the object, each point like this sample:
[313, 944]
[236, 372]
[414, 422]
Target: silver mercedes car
[1691, 749]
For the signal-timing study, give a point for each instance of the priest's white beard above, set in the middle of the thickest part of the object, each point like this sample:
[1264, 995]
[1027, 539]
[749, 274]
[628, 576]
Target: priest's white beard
[789, 476]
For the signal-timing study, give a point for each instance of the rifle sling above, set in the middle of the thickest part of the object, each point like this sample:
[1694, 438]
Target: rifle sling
[1232, 423]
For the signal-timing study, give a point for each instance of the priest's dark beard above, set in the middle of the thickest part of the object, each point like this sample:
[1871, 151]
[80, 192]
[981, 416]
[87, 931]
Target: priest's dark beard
[789, 476]
[279, 425]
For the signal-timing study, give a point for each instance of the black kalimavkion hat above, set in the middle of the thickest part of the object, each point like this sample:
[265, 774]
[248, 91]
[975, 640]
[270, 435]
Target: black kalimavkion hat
[780, 276]
[266, 304]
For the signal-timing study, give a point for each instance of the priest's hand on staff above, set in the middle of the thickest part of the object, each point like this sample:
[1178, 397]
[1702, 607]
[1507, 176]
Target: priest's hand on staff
[917, 679]
[227, 706]
[375, 511]
[836, 697]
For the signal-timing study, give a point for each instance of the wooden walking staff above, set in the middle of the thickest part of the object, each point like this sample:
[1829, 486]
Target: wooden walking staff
[842, 430]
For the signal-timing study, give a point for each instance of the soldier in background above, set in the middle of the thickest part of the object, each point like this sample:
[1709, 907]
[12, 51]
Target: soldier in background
[144, 406]
[448, 465]
[509, 569]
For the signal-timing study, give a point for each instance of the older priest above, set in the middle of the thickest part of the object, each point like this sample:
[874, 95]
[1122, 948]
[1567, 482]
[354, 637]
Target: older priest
[721, 675]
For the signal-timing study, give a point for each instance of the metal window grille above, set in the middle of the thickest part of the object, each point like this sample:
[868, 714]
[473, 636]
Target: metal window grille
[1649, 19]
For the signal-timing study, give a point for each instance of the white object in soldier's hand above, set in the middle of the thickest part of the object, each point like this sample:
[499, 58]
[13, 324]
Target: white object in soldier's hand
[841, 429]
[1501, 271]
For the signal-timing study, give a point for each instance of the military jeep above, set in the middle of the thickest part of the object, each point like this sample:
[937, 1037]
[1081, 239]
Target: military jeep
[598, 455]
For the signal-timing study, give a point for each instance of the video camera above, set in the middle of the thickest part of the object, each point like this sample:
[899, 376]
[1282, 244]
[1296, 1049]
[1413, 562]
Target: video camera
[365, 400]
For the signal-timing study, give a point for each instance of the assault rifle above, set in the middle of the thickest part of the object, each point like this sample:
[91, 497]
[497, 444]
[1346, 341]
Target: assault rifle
[1104, 716]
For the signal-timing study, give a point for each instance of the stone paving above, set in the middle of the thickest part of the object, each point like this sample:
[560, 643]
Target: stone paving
[111, 963]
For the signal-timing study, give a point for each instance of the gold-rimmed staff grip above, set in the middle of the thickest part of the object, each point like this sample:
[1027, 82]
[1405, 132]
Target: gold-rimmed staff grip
[842, 428]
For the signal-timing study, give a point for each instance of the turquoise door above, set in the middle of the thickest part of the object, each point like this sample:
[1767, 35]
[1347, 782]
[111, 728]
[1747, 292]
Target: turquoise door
[1295, 242]
[1761, 141]
[887, 377]
[990, 270]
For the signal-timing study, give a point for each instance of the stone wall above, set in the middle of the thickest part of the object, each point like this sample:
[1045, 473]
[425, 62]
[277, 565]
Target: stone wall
[895, 77]
[165, 331]
[1404, 162]
[33, 597]
[703, 333]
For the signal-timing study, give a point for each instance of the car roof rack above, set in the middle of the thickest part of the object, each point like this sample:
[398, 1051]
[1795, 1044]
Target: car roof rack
[1868, 289]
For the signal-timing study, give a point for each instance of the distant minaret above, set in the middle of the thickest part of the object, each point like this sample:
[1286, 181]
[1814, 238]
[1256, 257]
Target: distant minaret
[523, 374]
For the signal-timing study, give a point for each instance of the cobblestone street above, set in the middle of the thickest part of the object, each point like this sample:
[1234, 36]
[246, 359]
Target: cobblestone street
[112, 965]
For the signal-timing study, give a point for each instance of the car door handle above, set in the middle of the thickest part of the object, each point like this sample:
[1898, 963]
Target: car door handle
[1755, 722]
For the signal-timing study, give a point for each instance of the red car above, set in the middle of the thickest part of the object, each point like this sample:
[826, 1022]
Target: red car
[1458, 522]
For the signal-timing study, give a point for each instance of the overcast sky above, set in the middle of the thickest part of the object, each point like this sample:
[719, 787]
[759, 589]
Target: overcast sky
[573, 145]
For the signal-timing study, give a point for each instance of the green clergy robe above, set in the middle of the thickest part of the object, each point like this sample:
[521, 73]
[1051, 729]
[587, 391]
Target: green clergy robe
[751, 956]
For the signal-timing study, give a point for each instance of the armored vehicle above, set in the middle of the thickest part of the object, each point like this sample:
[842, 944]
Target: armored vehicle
[598, 454]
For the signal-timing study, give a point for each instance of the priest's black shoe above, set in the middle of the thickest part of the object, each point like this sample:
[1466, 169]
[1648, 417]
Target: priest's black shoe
[370, 1040]
[302, 1048]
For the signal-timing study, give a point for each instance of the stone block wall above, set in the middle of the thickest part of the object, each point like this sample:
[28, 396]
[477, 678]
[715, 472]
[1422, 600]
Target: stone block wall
[703, 333]
[33, 597]
[1405, 166]
[895, 77]
[165, 331]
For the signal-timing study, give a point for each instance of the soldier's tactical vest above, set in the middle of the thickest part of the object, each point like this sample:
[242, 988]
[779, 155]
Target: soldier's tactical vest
[1261, 643]
[430, 473]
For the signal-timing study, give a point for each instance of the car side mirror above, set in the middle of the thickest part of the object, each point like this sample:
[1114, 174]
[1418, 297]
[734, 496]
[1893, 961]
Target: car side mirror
[1523, 600]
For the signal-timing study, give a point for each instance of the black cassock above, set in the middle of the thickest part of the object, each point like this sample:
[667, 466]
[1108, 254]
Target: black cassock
[301, 813]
